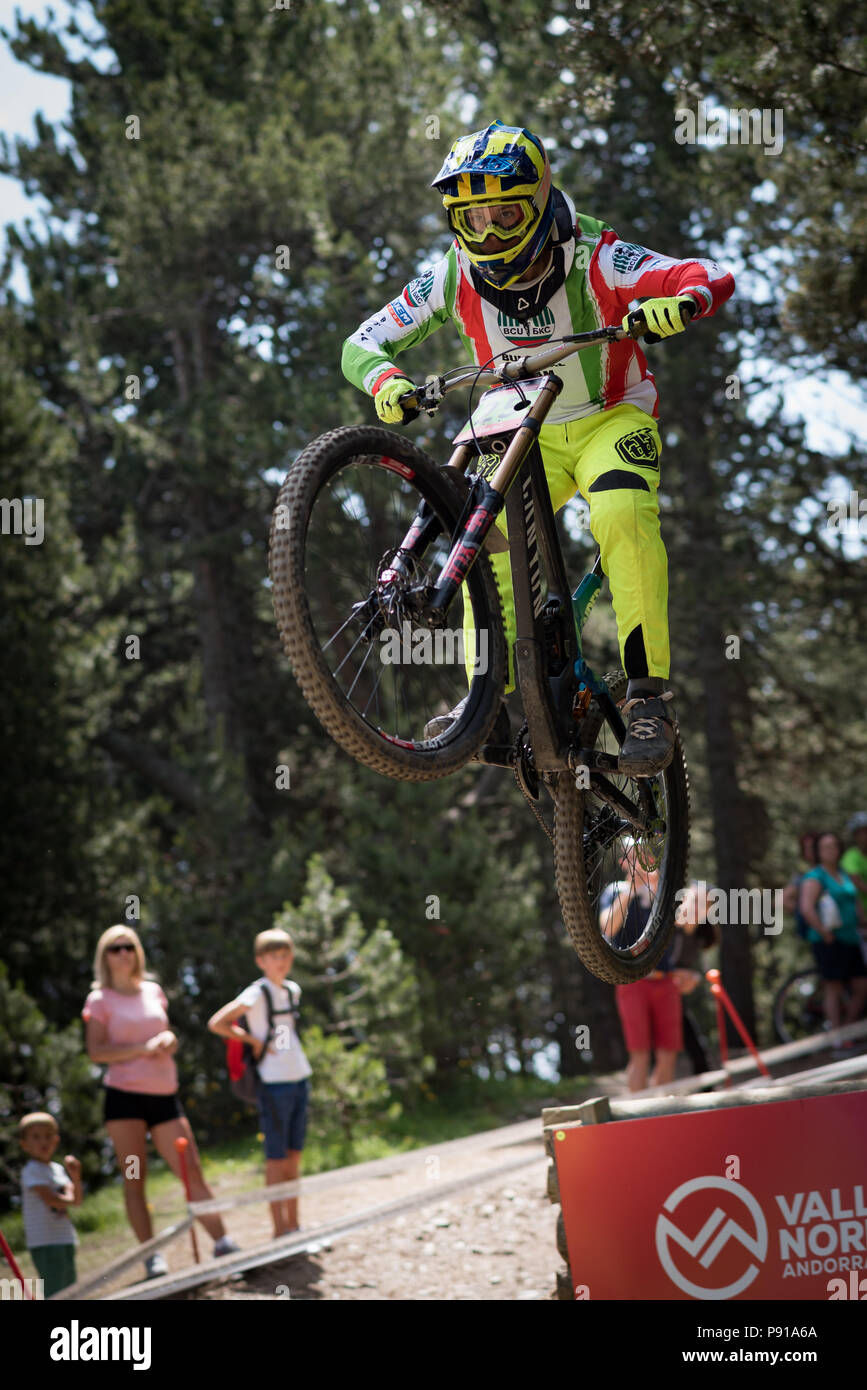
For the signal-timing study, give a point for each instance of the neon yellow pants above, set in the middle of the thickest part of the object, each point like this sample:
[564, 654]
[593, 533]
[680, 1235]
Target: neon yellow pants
[612, 459]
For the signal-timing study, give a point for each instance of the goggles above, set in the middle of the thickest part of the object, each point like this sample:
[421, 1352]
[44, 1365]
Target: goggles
[474, 222]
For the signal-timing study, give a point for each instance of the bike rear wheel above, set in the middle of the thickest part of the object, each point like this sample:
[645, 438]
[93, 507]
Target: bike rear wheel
[596, 846]
[346, 599]
[799, 1010]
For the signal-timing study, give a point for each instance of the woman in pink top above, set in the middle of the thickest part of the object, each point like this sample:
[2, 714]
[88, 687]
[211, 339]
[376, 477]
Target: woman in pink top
[127, 1027]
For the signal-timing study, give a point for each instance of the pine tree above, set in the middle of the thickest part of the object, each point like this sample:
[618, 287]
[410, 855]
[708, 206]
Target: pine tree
[43, 1068]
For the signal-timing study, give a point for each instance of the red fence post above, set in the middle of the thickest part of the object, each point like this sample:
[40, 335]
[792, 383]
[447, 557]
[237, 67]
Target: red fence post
[712, 976]
[181, 1146]
[13, 1265]
[719, 993]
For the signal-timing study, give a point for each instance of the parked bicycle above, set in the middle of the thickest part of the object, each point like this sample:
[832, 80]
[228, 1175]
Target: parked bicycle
[372, 542]
[799, 1010]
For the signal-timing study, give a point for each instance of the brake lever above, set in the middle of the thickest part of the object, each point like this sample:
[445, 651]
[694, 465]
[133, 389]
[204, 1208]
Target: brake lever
[425, 398]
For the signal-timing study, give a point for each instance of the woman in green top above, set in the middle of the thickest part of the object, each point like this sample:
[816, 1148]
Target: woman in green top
[854, 861]
[837, 948]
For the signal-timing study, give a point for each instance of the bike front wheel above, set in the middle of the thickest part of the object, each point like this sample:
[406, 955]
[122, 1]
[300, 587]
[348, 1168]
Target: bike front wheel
[618, 884]
[364, 522]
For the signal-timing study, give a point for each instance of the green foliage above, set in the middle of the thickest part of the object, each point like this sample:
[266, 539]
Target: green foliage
[349, 1087]
[43, 1068]
[357, 984]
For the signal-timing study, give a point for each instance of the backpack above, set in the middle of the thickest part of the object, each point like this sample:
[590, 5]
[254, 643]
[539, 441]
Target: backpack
[242, 1065]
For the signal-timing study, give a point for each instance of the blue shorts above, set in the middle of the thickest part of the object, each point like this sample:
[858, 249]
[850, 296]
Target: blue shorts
[283, 1115]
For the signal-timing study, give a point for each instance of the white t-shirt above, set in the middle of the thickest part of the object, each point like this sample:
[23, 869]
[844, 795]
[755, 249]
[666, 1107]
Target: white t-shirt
[44, 1225]
[284, 1060]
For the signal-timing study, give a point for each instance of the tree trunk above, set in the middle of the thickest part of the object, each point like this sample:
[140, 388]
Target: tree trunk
[702, 567]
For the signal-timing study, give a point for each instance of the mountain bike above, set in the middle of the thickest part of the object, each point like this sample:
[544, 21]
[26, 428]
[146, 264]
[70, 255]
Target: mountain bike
[799, 1006]
[372, 542]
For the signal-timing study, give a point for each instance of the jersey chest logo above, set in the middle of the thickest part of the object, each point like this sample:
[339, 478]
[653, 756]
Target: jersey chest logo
[538, 329]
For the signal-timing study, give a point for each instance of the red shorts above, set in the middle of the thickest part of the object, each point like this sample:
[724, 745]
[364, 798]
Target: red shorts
[651, 1015]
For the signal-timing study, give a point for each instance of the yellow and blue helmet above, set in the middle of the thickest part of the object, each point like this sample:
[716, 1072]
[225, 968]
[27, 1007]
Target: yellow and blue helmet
[497, 183]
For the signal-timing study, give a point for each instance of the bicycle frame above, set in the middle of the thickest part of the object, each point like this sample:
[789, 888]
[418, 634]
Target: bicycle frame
[549, 697]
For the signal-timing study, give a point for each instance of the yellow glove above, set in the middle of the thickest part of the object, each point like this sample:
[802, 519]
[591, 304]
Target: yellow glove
[387, 399]
[662, 316]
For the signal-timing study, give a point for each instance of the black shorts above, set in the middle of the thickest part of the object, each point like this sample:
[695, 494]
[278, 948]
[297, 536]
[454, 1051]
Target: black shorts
[838, 961]
[139, 1105]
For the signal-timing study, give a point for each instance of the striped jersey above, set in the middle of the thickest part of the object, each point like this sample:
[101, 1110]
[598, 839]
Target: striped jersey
[604, 279]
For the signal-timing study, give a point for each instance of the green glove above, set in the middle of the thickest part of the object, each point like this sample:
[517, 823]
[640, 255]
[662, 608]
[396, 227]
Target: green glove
[663, 316]
[387, 399]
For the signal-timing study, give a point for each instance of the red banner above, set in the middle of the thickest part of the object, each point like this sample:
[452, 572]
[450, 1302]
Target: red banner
[761, 1201]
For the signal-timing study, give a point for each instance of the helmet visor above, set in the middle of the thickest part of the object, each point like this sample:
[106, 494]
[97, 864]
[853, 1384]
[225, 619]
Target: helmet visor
[475, 222]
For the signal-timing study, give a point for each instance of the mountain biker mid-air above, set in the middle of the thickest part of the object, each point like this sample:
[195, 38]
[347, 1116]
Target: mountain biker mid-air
[525, 269]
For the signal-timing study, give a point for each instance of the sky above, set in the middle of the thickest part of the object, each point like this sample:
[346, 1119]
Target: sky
[23, 92]
[833, 406]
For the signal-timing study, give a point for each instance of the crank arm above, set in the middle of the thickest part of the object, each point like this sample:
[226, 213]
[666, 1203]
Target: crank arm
[496, 755]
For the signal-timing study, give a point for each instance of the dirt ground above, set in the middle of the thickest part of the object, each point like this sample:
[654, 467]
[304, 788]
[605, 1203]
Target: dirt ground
[495, 1240]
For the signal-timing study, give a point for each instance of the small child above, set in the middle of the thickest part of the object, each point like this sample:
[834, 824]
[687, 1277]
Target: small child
[48, 1190]
[283, 1069]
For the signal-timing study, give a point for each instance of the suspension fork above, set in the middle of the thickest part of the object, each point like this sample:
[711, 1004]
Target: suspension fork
[424, 529]
[425, 526]
[490, 502]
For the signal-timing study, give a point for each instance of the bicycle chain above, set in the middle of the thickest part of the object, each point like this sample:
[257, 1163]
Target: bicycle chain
[526, 795]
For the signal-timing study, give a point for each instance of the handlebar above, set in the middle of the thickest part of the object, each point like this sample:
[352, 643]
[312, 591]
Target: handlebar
[429, 396]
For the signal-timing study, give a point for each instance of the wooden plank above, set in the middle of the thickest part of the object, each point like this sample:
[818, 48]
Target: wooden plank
[641, 1108]
[553, 1184]
[562, 1247]
[123, 1262]
[756, 1095]
[844, 1067]
[589, 1112]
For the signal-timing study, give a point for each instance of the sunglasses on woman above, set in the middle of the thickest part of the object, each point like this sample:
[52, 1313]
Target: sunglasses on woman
[120, 946]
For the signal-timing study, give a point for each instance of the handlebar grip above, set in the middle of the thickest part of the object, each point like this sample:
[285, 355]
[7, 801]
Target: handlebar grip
[410, 410]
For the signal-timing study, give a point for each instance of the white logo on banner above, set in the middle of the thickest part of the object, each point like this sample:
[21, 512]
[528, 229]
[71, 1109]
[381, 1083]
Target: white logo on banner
[712, 1237]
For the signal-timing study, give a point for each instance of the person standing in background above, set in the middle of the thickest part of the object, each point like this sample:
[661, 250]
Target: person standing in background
[854, 859]
[650, 1010]
[792, 890]
[282, 1069]
[829, 904]
[694, 935]
[47, 1192]
[126, 1017]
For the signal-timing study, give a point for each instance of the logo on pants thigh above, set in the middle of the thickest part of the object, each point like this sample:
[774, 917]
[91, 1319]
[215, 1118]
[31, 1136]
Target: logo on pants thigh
[639, 448]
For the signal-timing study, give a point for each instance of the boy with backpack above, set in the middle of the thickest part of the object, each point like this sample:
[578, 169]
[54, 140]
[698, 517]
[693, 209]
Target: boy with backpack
[277, 1068]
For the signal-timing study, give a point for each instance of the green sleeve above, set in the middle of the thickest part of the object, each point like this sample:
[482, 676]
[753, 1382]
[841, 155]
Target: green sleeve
[420, 309]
